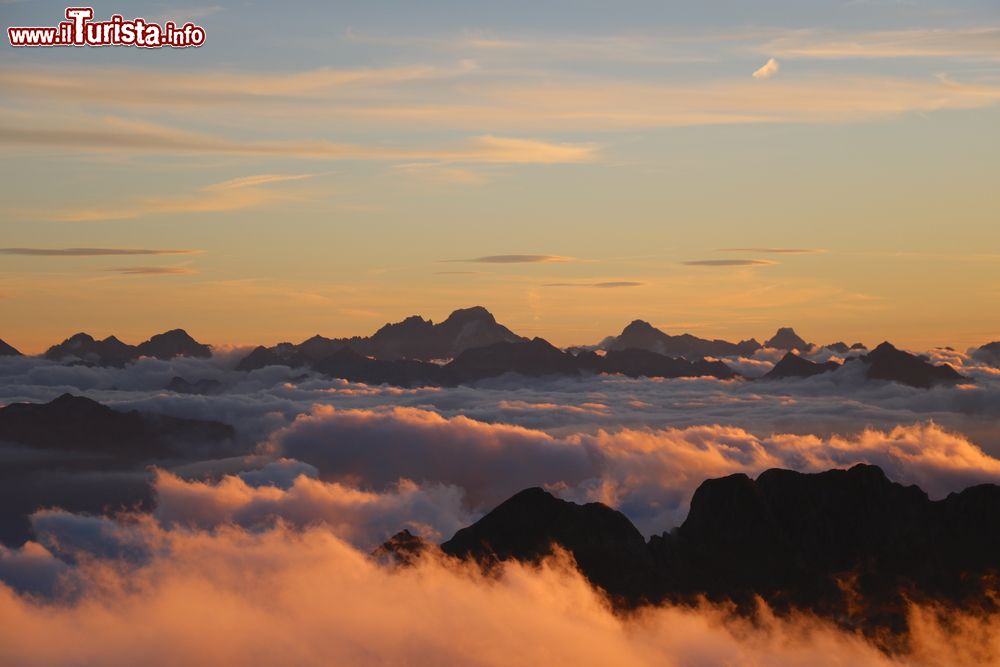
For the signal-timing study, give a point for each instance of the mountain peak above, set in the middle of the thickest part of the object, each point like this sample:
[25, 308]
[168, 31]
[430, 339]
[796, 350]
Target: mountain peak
[173, 343]
[786, 339]
[473, 314]
[7, 350]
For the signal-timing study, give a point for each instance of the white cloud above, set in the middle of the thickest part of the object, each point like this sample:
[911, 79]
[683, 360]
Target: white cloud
[768, 70]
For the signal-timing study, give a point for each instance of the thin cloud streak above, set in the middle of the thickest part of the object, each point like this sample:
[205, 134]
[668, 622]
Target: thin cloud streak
[516, 259]
[729, 262]
[605, 285]
[153, 270]
[146, 138]
[91, 252]
[980, 43]
[777, 251]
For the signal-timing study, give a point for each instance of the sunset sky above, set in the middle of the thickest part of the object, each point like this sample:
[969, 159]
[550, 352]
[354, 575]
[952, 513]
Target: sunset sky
[718, 168]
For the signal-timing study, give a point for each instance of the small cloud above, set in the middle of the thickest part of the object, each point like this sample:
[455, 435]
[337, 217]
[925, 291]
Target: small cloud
[252, 181]
[729, 262]
[516, 259]
[461, 273]
[769, 69]
[91, 252]
[777, 251]
[153, 270]
[605, 285]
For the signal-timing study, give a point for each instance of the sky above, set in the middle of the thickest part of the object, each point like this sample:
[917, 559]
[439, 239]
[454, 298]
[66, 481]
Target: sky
[718, 168]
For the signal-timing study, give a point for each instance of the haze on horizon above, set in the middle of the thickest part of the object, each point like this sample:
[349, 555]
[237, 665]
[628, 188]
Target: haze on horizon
[713, 168]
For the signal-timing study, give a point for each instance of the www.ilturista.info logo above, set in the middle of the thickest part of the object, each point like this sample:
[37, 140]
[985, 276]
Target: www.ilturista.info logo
[80, 30]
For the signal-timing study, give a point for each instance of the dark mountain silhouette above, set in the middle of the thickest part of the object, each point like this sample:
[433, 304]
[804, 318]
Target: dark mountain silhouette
[885, 362]
[989, 353]
[173, 343]
[848, 545]
[642, 363]
[642, 335]
[77, 424]
[786, 339]
[403, 548]
[82, 456]
[605, 544]
[792, 365]
[84, 348]
[348, 365]
[8, 350]
[534, 358]
[202, 387]
[413, 338]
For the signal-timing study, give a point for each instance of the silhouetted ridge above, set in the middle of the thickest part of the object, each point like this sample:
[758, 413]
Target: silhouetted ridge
[605, 544]
[403, 548]
[413, 338]
[173, 343]
[848, 545]
[8, 350]
[77, 424]
[85, 349]
[641, 335]
[885, 362]
[786, 339]
[792, 365]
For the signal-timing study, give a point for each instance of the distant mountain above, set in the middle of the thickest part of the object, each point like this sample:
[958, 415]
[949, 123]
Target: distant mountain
[792, 365]
[642, 335]
[841, 347]
[790, 538]
[75, 424]
[81, 456]
[642, 363]
[173, 343]
[7, 350]
[413, 338]
[989, 353]
[84, 348]
[534, 358]
[885, 362]
[786, 339]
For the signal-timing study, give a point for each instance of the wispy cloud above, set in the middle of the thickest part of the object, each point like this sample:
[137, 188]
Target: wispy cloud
[115, 134]
[777, 251]
[516, 259]
[153, 270]
[729, 262]
[605, 285]
[966, 43]
[91, 252]
[768, 70]
[234, 194]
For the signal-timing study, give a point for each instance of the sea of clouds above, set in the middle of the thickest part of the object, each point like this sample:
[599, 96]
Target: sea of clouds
[270, 546]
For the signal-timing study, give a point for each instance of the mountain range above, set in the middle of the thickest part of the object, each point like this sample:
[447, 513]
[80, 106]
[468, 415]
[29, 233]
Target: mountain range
[470, 345]
[83, 348]
[413, 338]
[850, 546]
